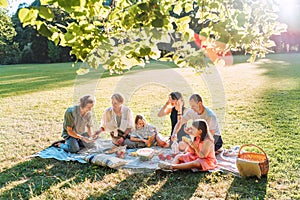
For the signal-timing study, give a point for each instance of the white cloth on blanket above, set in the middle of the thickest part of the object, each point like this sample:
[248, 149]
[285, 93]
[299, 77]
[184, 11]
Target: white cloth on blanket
[134, 164]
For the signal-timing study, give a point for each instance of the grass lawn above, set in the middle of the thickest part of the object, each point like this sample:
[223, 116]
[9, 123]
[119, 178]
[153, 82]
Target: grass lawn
[256, 103]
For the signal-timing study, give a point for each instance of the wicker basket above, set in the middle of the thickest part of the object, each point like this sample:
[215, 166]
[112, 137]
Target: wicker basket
[261, 159]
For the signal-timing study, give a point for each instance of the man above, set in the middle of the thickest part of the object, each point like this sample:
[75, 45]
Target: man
[199, 111]
[77, 120]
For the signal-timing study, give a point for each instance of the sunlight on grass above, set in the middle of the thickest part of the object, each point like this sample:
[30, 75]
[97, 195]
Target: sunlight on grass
[261, 106]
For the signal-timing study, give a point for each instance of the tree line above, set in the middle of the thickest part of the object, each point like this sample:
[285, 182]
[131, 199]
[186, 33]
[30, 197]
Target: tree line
[20, 45]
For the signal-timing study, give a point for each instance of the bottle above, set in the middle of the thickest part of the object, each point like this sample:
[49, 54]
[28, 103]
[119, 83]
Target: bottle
[175, 147]
[149, 144]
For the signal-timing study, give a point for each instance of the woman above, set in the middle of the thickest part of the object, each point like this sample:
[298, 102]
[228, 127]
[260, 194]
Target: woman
[200, 153]
[118, 121]
[175, 107]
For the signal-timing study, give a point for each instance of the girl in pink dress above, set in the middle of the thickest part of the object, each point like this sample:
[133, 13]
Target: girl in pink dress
[200, 152]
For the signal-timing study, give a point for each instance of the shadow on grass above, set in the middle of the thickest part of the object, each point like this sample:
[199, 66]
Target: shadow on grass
[178, 185]
[247, 188]
[33, 177]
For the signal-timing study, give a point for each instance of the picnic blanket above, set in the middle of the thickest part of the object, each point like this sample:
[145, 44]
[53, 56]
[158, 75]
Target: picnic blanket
[226, 159]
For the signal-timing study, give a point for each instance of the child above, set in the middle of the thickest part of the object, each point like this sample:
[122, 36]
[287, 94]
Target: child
[200, 154]
[145, 134]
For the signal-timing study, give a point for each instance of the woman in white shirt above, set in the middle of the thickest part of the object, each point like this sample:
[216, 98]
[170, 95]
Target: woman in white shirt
[118, 121]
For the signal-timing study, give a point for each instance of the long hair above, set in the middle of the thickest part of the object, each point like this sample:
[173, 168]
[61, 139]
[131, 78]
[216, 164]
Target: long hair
[201, 124]
[177, 96]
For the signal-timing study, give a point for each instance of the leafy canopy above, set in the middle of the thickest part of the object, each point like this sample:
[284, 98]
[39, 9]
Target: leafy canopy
[122, 33]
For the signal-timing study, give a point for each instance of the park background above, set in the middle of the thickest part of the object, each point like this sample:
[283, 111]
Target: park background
[262, 107]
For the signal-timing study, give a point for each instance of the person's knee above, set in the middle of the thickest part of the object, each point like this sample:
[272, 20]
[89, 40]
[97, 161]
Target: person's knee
[73, 146]
[74, 149]
[218, 142]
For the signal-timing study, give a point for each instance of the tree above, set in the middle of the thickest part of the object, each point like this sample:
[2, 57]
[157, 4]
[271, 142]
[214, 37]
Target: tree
[122, 33]
[9, 52]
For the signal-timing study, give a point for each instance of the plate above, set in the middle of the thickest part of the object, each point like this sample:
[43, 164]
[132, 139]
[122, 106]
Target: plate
[145, 153]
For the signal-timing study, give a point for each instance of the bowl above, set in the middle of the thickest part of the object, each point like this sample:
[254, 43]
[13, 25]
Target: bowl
[145, 154]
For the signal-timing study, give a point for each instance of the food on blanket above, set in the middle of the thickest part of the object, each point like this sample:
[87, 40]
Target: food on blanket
[161, 156]
[145, 154]
[121, 153]
[169, 157]
[115, 149]
[133, 153]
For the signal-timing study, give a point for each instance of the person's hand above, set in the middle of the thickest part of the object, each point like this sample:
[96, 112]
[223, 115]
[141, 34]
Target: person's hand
[95, 136]
[173, 137]
[180, 103]
[169, 101]
[87, 140]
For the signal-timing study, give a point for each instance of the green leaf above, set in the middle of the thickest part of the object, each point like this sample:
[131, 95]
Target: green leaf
[178, 9]
[185, 20]
[158, 22]
[67, 5]
[188, 7]
[143, 6]
[82, 71]
[27, 16]
[47, 2]
[44, 30]
[3, 3]
[46, 13]
[145, 51]
[55, 38]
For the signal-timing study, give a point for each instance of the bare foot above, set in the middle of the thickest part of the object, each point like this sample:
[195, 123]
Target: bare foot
[57, 143]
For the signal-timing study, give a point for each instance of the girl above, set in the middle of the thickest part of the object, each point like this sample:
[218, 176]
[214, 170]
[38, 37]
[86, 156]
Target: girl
[200, 153]
[145, 134]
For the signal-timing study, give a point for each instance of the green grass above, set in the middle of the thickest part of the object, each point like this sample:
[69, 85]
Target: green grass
[262, 107]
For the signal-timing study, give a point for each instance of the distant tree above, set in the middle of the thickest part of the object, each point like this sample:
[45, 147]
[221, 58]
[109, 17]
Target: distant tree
[34, 46]
[122, 33]
[9, 51]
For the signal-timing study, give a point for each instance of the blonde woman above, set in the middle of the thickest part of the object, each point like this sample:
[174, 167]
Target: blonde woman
[118, 121]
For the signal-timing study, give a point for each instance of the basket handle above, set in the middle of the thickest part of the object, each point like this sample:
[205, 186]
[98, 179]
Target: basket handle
[244, 145]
